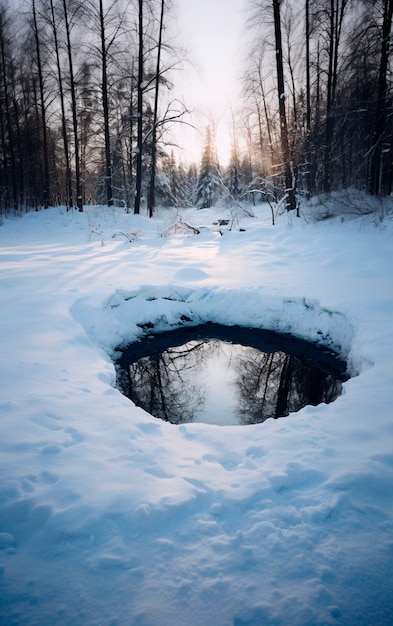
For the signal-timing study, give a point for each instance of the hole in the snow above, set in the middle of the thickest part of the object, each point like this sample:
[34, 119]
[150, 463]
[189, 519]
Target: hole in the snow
[227, 374]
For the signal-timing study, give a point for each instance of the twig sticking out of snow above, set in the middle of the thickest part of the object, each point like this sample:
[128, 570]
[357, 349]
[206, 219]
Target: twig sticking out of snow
[180, 227]
[131, 236]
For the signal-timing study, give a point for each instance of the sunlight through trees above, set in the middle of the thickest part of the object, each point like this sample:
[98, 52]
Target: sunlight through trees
[88, 106]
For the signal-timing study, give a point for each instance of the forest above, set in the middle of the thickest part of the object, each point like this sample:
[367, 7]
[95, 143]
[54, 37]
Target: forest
[88, 105]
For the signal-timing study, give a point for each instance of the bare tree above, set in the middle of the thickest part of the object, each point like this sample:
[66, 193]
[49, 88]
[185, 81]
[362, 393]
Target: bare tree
[139, 147]
[106, 44]
[7, 131]
[62, 106]
[376, 186]
[308, 99]
[153, 166]
[67, 23]
[45, 193]
[105, 106]
[336, 13]
[257, 91]
[289, 176]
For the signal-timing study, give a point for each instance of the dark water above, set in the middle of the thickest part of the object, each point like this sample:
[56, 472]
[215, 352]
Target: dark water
[227, 375]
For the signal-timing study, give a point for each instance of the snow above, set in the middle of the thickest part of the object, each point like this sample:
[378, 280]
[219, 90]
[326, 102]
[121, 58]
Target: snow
[110, 516]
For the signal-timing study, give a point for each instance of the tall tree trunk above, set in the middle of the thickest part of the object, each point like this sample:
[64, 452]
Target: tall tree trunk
[337, 12]
[289, 182]
[7, 128]
[260, 135]
[375, 185]
[45, 193]
[139, 148]
[316, 158]
[20, 155]
[329, 102]
[79, 199]
[294, 129]
[152, 190]
[131, 139]
[308, 103]
[105, 106]
[266, 112]
[63, 115]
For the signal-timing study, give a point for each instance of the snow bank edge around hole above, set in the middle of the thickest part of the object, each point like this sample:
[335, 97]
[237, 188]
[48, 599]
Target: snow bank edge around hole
[125, 317]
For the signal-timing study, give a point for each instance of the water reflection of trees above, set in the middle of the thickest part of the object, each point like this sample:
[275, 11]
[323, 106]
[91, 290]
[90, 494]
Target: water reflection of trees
[172, 385]
[276, 384]
[167, 384]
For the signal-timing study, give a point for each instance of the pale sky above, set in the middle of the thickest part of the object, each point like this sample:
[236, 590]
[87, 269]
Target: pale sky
[212, 31]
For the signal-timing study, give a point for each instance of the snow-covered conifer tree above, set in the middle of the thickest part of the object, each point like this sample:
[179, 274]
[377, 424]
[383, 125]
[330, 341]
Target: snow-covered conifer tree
[209, 181]
[232, 178]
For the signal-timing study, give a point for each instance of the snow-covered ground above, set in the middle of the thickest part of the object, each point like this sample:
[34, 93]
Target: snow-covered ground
[110, 516]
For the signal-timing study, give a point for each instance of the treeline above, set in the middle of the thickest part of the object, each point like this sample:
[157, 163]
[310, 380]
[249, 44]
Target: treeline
[85, 105]
[317, 105]
[317, 111]
[84, 102]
